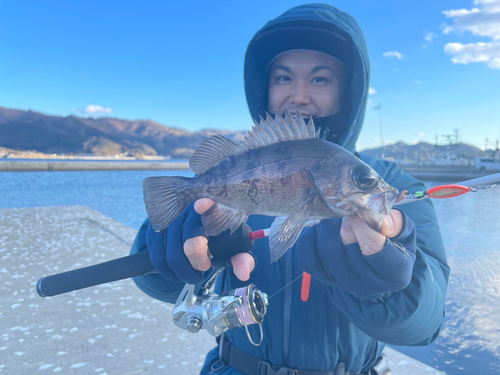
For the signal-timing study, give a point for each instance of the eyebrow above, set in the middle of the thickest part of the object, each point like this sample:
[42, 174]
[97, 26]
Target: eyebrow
[320, 67]
[313, 70]
[283, 67]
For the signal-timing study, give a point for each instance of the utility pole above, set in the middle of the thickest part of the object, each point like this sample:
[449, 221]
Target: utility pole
[378, 108]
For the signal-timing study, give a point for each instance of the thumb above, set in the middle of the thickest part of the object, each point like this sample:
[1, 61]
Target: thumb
[393, 224]
[203, 205]
[243, 265]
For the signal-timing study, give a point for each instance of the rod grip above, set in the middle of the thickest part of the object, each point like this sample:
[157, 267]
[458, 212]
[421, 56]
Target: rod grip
[117, 269]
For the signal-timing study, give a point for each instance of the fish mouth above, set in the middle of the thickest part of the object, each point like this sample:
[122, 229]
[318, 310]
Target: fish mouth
[378, 207]
[383, 202]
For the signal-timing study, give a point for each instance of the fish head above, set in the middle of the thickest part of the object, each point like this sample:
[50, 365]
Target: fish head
[351, 186]
[374, 202]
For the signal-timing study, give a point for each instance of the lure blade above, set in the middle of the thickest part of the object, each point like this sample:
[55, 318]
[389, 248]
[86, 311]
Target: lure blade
[447, 191]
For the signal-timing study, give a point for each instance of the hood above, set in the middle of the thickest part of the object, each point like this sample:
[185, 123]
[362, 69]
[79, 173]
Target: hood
[318, 27]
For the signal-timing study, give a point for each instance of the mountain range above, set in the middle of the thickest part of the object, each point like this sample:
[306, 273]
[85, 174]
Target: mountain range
[30, 130]
[424, 151]
[35, 131]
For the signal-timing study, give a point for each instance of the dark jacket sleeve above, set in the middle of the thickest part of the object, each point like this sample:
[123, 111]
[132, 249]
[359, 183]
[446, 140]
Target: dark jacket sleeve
[414, 315]
[153, 284]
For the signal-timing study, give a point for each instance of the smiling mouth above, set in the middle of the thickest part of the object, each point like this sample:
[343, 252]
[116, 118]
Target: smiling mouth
[304, 114]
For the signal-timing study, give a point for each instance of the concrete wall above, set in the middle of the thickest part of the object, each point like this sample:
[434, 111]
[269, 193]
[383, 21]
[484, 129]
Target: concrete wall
[87, 165]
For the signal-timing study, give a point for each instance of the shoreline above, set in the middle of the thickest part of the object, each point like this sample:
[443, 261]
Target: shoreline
[34, 165]
[450, 173]
[431, 172]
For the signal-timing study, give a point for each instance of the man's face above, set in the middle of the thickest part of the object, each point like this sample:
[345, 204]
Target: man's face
[308, 81]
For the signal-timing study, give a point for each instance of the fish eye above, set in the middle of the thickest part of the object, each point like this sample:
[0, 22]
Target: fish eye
[363, 178]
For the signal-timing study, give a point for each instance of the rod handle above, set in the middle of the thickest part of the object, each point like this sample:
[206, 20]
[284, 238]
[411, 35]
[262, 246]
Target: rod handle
[117, 269]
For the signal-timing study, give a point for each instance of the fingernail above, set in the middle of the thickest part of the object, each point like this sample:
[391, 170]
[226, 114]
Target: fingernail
[389, 222]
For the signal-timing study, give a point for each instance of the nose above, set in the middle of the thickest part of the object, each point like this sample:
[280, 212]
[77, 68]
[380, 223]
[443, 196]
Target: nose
[300, 94]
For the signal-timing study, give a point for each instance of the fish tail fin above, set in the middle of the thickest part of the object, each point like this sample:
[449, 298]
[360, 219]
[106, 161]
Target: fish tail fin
[165, 199]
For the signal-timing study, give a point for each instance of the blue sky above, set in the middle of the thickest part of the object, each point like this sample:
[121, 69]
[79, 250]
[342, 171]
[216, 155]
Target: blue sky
[435, 64]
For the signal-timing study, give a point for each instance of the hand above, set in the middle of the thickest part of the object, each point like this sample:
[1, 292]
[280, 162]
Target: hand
[198, 253]
[354, 229]
[360, 260]
[180, 252]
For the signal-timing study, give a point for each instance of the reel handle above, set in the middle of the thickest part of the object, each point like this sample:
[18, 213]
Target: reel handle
[114, 270]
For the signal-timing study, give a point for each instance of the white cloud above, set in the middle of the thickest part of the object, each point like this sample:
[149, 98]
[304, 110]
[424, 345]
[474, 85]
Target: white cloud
[482, 21]
[396, 54]
[371, 91]
[93, 109]
[416, 81]
[419, 134]
[430, 36]
[475, 52]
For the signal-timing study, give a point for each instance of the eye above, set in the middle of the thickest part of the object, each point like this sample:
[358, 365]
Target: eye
[363, 178]
[282, 79]
[320, 80]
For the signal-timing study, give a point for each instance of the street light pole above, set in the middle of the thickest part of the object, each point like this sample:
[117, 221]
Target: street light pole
[378, 107]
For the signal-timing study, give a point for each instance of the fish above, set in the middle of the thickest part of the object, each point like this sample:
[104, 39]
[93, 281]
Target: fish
[282, 168]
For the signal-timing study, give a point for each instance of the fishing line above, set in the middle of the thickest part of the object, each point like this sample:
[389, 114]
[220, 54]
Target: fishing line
[298, 277]
[438, 192]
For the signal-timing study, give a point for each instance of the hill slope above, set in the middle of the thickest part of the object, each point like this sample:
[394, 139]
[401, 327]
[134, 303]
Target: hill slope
[30, 130]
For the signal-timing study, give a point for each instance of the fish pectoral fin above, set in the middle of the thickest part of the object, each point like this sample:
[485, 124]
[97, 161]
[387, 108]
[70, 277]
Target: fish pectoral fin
[219, 218]
[285, 231]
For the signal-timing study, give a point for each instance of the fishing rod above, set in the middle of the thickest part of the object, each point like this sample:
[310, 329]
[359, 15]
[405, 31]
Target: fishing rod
[239, 307]
[222, 247]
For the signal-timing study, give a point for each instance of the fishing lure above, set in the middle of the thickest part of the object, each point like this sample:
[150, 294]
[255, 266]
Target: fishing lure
[446, 191]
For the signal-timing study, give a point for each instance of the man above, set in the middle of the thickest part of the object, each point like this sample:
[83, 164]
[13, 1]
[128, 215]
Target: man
[364, 291]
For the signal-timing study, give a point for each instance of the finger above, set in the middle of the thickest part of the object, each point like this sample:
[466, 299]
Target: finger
[370, 241]
[392, 224]
[346, 233]
[243, 265]
[196, 250]
[203, 205]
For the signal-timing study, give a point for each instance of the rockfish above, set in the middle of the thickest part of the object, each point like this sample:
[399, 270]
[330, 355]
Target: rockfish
[281, 168]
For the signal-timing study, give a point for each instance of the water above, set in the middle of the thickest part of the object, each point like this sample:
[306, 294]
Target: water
[117, 194]
[470, 340]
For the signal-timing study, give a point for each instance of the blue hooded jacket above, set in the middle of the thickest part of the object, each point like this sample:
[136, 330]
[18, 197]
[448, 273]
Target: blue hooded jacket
[333, 325]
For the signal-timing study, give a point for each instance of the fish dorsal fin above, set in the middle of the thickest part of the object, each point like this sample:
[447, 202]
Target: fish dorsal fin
[263, 133]
[280, 129]
[211, 151]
